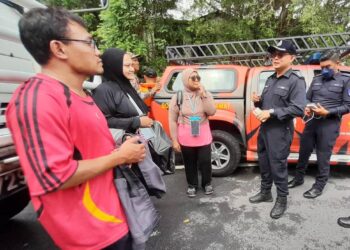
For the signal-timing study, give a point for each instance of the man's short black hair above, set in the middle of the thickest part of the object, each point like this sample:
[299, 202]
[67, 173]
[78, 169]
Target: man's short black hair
[39, 26]
[149, 72]
[330, 55]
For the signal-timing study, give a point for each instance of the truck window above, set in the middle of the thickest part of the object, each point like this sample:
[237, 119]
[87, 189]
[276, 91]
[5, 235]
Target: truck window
[262, 79]
[266, 74]
[214, 80]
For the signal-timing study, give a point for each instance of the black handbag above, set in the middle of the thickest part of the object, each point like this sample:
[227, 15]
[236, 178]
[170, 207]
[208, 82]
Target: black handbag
[142, 216]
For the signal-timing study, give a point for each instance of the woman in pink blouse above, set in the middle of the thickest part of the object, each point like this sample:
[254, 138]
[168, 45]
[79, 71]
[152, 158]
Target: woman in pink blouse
[190, 130]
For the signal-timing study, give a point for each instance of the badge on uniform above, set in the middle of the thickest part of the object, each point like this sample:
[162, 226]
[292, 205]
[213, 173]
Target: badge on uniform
[195, 120]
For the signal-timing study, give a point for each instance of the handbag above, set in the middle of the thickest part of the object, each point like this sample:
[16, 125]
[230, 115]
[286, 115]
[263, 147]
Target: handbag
[141, 215]
[161, 149]
[160, 144]
[151, 175]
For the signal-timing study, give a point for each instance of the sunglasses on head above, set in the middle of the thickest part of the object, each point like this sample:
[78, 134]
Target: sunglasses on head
[195, 78]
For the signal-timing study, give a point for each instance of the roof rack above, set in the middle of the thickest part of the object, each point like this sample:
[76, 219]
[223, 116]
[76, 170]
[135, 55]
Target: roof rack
[253, 52]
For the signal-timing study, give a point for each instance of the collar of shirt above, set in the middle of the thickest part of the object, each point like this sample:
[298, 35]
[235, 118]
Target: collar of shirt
[286, 74]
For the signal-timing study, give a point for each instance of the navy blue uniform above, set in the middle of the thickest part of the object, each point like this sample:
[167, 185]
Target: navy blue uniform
[333, 95]
[286, 95]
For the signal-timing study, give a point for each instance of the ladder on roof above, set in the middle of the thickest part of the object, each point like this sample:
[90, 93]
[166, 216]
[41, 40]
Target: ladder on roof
[253, 52]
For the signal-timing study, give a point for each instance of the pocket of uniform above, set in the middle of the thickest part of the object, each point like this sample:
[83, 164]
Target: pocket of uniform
[316, 86]
[281, 91]
[336, 89]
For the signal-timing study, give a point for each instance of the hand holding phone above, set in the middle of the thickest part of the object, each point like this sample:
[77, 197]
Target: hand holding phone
[257, 111]
[311, 106]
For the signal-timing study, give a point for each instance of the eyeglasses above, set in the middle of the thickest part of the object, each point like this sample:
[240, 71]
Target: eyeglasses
[90, 42]
[279, 55]
[195, 78]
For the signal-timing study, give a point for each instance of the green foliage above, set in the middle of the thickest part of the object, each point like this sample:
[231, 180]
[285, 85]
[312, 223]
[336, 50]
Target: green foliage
[140, 26]
[145, 27]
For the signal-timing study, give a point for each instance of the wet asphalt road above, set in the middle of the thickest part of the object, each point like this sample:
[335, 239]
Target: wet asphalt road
[226, 219]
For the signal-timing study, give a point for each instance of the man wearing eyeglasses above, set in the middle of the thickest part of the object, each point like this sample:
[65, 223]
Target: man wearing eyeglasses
[330, 95]
[62, 139]
[282, 99]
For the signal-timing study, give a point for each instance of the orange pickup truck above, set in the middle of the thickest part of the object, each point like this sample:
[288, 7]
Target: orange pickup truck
[234, 126]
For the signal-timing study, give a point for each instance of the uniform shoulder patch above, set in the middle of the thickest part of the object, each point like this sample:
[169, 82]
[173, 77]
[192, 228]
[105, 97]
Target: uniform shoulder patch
[298, 74]
[346, 75]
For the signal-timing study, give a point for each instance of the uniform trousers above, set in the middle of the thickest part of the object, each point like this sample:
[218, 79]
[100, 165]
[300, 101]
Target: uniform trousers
[274, 140]
[322, 134]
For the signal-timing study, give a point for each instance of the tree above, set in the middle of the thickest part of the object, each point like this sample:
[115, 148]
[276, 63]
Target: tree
[146, 28]
[91, 18]
[140, 26]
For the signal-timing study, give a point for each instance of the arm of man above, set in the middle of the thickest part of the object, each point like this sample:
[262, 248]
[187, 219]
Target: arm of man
[345, 108]
[309, 94]
[297, 102]
[129, 152]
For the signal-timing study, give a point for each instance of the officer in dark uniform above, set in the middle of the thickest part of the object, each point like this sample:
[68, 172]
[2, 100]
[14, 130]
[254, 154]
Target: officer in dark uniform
[330, 93]
[282, 99]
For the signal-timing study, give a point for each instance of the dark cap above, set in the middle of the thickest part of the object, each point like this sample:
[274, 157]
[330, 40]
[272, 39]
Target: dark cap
[283, 46]
[150, 73]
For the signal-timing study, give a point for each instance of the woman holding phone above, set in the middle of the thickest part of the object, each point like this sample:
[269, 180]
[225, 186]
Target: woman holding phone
[190, 130]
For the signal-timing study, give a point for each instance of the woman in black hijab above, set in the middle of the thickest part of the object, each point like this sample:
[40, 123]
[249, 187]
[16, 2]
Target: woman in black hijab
[116, 97]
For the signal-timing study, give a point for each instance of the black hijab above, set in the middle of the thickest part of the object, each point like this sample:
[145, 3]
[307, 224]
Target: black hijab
[112, 60]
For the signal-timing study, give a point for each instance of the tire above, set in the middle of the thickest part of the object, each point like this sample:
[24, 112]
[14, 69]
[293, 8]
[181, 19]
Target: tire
[225, 153]
[13, 204]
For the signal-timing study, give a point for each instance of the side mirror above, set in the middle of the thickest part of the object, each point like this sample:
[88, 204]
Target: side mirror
[102, 6]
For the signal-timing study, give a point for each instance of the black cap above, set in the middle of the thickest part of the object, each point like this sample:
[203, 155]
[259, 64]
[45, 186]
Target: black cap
[283, 46]
[149, 72]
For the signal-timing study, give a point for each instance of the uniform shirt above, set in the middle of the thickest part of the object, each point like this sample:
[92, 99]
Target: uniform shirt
[332, 94]
[285, 94]
[52, 129]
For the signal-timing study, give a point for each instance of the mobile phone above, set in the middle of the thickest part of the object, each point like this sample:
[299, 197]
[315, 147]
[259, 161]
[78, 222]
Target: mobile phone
[257, 111]
[311, 106]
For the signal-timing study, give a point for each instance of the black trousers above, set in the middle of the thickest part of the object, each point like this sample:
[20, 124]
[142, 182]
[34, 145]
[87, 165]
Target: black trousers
[322, 134]
[124, 243]
[274, 142]
[197, 158]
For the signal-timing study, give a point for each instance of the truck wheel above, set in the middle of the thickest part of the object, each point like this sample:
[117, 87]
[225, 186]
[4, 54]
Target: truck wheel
[13, 204]
[225, 153]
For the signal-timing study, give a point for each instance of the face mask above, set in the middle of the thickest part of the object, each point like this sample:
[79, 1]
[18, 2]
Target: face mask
[327, 73]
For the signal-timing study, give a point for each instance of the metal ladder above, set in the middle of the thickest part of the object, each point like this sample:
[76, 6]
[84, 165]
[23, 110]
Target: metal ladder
[253, 52]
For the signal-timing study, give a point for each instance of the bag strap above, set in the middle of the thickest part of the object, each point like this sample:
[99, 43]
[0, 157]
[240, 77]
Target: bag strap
[135, 105]
[179, 98]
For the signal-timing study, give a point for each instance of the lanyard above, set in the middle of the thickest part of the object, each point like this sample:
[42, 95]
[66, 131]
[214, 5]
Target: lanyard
[192, 103]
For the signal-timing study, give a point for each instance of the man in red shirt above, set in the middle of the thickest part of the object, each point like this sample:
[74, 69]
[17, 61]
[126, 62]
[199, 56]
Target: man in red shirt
[65, 148]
